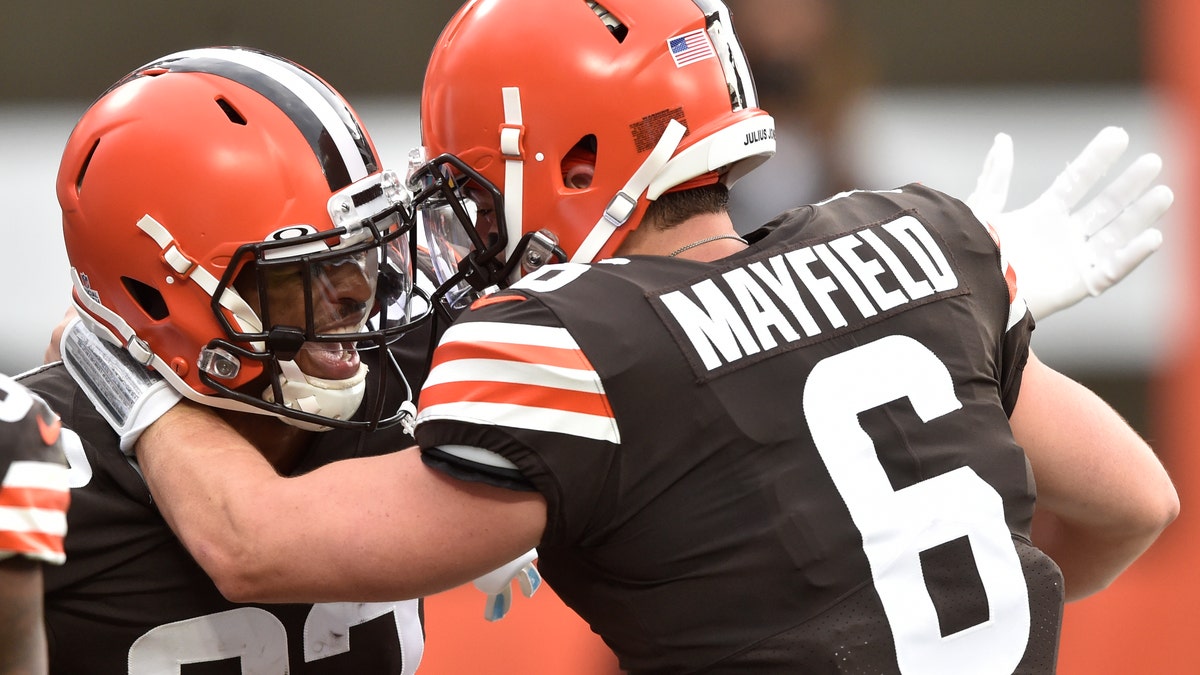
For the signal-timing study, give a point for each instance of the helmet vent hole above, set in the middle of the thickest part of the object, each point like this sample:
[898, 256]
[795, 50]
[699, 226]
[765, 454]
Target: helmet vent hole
[231, 112]
[617, 29]
[83, 169]
[147, 297]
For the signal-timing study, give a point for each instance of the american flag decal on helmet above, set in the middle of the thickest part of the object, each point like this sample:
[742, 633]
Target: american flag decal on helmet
[691, 47]
[520, 376]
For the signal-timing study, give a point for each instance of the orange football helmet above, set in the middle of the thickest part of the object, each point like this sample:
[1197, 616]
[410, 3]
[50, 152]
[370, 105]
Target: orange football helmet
[518, 91]
[197, 182]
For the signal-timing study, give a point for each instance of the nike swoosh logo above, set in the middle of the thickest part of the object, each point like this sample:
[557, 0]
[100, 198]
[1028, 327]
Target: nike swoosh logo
[50, 432]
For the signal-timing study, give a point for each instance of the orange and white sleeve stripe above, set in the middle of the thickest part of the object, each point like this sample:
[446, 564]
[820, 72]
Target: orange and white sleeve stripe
[33, 511]
[520, 376]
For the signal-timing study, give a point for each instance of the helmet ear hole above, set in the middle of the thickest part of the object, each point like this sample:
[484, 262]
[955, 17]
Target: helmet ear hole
[147, 297]
[579, 164]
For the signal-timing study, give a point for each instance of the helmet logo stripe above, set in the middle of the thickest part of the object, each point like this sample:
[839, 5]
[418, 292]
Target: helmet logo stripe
[336, 139]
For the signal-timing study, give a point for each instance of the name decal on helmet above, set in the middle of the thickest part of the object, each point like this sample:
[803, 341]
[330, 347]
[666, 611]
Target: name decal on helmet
[759, 135]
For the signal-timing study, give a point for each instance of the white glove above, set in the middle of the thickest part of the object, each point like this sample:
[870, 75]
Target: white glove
[497, 584]
[128, 395]
[1062, 250]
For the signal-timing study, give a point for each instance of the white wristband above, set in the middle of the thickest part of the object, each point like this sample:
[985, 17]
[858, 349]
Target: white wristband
[128, 395]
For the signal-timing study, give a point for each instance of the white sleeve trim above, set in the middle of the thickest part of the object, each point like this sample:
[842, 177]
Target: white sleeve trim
[471, 453]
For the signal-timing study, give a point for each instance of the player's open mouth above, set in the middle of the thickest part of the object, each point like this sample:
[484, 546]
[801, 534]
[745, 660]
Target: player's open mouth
[330, 360]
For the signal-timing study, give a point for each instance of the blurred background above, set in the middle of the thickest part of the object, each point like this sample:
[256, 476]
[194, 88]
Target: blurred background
[866, 93]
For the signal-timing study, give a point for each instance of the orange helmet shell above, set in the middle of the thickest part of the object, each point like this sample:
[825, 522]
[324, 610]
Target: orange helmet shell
[223, 147]
[615, 73]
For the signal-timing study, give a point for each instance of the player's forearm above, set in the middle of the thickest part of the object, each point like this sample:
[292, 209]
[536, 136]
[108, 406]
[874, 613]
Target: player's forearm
[1109, 513]
[1109, 495]
[1089, 560]
[372, 529]
[22, 631]
[208, 481]
[1094, 540]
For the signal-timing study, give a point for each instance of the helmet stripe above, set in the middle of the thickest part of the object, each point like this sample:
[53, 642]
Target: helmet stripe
[337, 141]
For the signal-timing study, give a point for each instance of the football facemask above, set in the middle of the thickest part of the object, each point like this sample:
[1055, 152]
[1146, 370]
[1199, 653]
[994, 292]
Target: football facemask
[217, 172]
[321, 311]
[460, 215]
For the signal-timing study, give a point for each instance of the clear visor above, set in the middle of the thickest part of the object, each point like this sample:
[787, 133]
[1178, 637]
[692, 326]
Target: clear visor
[327, 290]
[331, 296]
[448, 241]
[304, 304]
[395, 289]
[454, 216]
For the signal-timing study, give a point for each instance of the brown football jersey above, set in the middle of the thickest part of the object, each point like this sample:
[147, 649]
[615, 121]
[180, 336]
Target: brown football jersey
[793, 459]
[131, 599]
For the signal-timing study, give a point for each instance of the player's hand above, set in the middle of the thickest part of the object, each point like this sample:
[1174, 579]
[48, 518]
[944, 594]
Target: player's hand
[52, 350]
[497, 584]
[128, 395]
[1062, 247]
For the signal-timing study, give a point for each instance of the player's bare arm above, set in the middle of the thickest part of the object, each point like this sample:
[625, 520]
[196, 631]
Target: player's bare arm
[22, 635]
[1103, 495]
[33, 505]
[263, 537]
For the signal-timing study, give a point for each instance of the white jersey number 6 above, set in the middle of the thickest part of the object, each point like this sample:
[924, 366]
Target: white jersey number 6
[897, 525]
